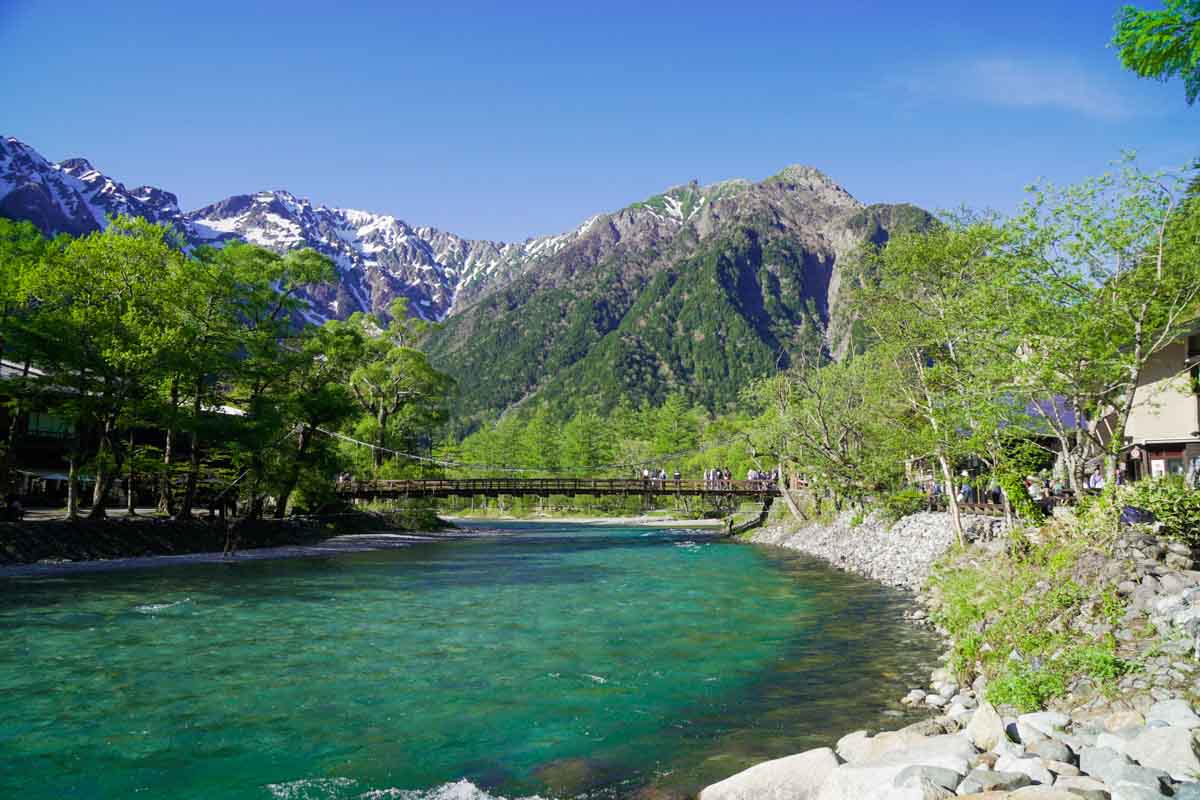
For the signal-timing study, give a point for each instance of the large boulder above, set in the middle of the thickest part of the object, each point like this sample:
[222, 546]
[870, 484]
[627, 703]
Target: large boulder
[875, 779]
[938, 776]
[1134, 791]
[1029, 765]
[790, 778]
[1045, 724]
[920, 789]
[986, 780]
[1112, 767]
[859, 748]
[858, 782]
[1176, 713]
[1052, 750]
[1173, 750]
[986, 729]
[1082, 785]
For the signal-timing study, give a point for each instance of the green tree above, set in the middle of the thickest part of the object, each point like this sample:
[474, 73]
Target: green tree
[235, 312]
[95, 338]
[1114, 268]
[22, 248]
[395, 386]
[840, 425]
[675, 427]
[585, 443]
[316, 397]
[938, 313]
[540, 447]
[1162, 44]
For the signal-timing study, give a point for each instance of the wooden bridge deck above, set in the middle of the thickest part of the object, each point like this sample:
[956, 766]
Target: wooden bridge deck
[545, 487]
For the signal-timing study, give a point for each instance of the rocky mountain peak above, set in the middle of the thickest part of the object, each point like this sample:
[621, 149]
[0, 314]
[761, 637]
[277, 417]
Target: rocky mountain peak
[380, 257]
[76, 167]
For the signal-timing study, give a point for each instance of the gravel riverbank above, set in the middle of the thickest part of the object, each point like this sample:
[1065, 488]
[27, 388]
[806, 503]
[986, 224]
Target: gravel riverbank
[899, 554]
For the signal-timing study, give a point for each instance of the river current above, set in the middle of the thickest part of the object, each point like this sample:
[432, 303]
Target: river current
[559, 660]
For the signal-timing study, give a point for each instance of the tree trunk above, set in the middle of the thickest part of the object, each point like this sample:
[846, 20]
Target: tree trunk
[130, 488]
[166, 499]
[255, 510]
[952, 499]
[105, 474]
[10, 448]
[381, 418]
[189, 489]
[787, 497]
[294, 476]
[72, 488]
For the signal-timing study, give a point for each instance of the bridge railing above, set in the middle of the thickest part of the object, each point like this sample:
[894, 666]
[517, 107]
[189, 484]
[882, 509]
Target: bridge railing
[556, 486]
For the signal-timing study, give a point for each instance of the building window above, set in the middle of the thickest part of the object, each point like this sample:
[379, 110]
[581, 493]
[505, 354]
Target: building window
[48, 426]
[1193, 350]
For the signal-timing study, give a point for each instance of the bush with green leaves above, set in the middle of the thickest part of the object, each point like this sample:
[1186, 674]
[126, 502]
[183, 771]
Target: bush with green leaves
[903, 502]
[1173, 503]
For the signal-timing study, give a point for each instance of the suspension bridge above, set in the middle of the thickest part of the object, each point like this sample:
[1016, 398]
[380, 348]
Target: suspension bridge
[762, 491]
[724, 494]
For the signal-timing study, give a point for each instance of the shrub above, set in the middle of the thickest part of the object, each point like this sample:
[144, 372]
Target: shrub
[1025, 688]
[1018, 497]
[1175, 505]
[903, 502]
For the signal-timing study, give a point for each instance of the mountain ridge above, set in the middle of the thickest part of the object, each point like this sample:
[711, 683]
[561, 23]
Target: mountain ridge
[698, 289]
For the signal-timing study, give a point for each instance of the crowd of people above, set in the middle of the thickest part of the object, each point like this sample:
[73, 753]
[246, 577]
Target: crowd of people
[715, 478]
[1043, 491]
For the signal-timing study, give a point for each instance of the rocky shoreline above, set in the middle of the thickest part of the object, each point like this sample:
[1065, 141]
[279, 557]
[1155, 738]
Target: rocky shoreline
[899, 554]
[1144, 743]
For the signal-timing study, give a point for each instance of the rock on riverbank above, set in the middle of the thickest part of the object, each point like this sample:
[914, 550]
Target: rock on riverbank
[978, 753]
[897, 554]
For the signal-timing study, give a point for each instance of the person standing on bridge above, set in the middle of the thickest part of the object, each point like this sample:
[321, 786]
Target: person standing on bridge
[678, 478]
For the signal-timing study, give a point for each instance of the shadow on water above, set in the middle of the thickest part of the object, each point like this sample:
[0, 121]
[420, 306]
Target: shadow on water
[532, 553]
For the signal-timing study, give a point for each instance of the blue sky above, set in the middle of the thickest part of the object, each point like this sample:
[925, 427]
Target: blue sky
[505, 120]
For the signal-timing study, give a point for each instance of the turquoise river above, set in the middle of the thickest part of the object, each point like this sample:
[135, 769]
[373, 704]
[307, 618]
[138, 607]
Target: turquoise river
[552, 659]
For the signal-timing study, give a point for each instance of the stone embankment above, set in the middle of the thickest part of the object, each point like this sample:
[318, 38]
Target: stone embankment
[1138, 740]
[900, 554]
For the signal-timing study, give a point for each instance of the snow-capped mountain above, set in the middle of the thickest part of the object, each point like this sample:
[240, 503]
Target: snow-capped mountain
[378, 257]
[72, 196]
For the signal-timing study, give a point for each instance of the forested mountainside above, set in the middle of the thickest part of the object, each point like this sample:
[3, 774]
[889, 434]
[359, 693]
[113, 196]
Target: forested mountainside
[637, 309]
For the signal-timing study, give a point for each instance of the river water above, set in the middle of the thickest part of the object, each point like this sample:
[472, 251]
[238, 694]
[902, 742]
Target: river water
[559, 660]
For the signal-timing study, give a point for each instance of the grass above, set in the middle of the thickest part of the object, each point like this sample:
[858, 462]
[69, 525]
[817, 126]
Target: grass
[1012, 618]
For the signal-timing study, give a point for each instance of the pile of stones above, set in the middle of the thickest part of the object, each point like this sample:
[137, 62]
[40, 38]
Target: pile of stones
[897, 554]
[980, 754]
